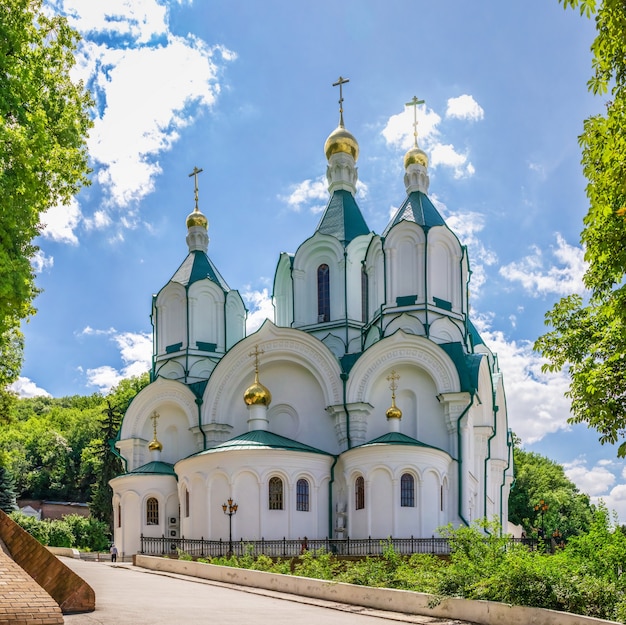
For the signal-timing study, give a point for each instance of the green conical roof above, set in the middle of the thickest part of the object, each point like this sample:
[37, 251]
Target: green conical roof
[419, 209]
[342, 218]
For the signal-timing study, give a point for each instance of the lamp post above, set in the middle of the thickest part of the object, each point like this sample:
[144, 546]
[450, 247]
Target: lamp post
[541, 508]
[230, 508]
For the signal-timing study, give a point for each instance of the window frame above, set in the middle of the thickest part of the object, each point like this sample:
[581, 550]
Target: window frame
[275, 493]
[152, 511]
[323, 293]
[359, 493]
[407, 490]
[302, 495]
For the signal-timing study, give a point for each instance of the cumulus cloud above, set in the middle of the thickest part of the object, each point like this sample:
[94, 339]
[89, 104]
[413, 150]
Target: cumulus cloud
[260, 308]
[398, 133]
[148, 84]
[25, 387]
[40, 261]
[135, 352]
[465, 107]
[312, 193]
[60, 221]
[536, 400]
[561, 273]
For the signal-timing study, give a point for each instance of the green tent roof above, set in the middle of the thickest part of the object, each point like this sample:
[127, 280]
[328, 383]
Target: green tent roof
[419, 209]
[262, 439]
[156, 467]
[397, 438]
[198, 266]
[342, 218]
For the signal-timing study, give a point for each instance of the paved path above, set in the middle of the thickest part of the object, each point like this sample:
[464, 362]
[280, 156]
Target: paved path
[128, 595]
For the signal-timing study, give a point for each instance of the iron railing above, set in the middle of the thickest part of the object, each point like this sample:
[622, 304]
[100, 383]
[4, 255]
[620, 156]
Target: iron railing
[284, 548]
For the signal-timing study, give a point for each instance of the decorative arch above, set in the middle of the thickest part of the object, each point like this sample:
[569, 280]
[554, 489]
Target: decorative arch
[401, 348]
[407, 323]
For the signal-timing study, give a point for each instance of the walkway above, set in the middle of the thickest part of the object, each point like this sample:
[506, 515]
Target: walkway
[127, 595]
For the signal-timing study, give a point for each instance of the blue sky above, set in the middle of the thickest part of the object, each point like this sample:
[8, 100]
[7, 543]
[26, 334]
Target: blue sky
[243, 89]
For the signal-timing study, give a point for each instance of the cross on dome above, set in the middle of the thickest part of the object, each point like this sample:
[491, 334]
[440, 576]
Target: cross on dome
[256, 353]
[195, 173]
[340, 83]
[415, 102]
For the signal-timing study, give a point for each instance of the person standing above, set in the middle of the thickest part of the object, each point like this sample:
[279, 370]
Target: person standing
[113, 551]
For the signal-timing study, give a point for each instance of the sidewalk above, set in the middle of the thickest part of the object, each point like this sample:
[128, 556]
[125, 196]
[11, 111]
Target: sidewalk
[128, 595]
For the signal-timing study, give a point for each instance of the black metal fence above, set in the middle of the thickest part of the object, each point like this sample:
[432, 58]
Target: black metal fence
[284, 548]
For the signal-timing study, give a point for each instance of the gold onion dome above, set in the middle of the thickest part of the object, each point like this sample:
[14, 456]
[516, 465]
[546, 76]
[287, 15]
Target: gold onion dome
[196, 218]
[340, 140]
[417, 156]
[154, 445]
[257, 394]
[394, 412]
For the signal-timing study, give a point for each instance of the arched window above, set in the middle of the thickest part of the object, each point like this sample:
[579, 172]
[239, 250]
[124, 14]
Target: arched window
[186, 502]
[407, 491]
[364, 294]
[323, 293]
[152, 512]
[359, 493]
[119, 515]
[302, 495]
[276, 494]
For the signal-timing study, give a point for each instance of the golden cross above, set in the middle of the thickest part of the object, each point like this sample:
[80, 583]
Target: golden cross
[342, 81]
[414, 103]
[195, 173]
[393, 377]
[256, 353]
[154, 417]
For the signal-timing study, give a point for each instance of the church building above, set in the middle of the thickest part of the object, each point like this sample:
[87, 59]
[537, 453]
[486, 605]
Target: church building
[370, 406]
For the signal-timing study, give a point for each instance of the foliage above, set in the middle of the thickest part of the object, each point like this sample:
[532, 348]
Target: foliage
[44, 120]
[588, 339]
[73, 530]
[7, 491]
[538, 478]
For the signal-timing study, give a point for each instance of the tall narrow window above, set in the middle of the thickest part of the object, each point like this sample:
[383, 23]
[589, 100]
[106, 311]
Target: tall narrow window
[302, 495]
[276, 493]
[407, 491]
[152, 512]
[186, 502]
[359, 493]
[119, 515]
[364, 294]
[323, 293]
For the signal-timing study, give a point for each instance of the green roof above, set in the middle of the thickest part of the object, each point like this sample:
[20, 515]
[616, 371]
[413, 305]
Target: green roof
[419, 209]
[156, 467]
[397, 438]
[467, 365]
[262, 439]
[342, 218]
[197, 266]
[476, 338]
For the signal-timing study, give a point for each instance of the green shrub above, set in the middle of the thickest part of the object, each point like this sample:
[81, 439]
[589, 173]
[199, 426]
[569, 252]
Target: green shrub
[36, 528]
[60, 534]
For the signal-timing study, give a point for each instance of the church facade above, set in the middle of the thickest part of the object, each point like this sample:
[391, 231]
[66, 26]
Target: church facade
[370, 406]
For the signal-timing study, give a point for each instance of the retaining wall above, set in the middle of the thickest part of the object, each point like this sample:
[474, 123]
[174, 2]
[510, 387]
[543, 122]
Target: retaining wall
[481, 612]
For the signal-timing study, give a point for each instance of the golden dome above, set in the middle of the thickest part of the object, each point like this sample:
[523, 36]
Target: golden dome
[154, 445]
[415, 155]
[340, 140]
[196, 218]
[257, 394]
[394, 412]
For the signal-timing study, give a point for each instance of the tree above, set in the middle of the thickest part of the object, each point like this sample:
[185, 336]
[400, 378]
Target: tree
[7, 492]
[538, 478]
[588, 336]
[44, 120]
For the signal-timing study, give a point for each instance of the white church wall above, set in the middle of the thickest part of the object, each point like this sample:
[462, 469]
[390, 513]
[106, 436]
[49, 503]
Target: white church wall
[235, 319]
[171, 317]
[444, 267]
[206, 314]
[283, 292]
[404, 247]
[374, 266]
[356, 251]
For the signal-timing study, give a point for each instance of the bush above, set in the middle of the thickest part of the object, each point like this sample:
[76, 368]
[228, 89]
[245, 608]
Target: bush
[60, 534]
[36, 528]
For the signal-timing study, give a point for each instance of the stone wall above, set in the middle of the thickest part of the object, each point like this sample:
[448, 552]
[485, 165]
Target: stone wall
[70, 591]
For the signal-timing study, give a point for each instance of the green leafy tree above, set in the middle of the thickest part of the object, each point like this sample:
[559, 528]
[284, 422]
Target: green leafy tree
[44, 120]
[537, 479]
[8, 502]
[588, 337]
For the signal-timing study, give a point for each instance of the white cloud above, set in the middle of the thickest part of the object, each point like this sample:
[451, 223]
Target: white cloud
[465, 107]
[135, 352]
[563, 278]
[41, 261]
[594, 481]
[25, 387]
[60, 221]
[307, 192]
[260, 308]
[398, 133]
[148, 84]
[536, 400]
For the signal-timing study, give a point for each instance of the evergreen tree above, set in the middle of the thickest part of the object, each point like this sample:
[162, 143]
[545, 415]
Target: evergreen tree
[8, 502]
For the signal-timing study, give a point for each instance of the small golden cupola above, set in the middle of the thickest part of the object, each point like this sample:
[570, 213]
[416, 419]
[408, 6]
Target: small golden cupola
[197, 223]
[154, 445]
[415, 159]
[257, 397]
[394, 414]
[342, 152]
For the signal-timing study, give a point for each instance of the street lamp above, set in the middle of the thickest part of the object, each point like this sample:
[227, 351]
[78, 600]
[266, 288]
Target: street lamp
[541, 508]
[230, 508]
